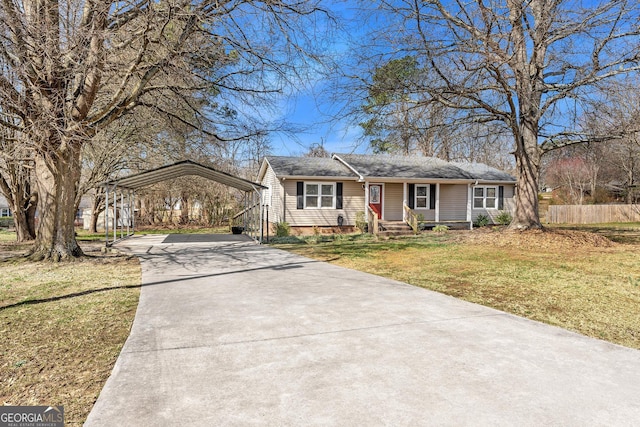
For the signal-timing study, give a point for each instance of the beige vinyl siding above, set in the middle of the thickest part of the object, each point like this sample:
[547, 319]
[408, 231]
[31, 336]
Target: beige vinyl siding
[393, 202]
[453, 202]
[509, 204]
[352, 202]
[274, 194]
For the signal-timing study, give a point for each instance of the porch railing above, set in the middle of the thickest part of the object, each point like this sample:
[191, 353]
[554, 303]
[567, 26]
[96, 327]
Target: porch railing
[372, 221]
[410, 218]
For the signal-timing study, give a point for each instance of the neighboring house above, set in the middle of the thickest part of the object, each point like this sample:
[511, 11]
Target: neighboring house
[324, 191]
[5, 210]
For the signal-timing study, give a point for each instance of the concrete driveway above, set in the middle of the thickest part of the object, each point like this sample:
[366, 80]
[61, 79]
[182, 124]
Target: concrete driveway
[230, 333]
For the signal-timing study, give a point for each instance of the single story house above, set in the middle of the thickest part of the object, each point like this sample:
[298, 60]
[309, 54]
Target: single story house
[5, 210]
[326, 192]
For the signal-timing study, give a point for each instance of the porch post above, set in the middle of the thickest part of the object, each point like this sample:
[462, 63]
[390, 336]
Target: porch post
[437, 202]
[366, 199]
[469, 205]
[404, 200]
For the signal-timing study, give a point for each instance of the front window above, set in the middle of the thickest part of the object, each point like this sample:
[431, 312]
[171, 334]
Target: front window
[485, 198]
[317, 195]
[422, 197]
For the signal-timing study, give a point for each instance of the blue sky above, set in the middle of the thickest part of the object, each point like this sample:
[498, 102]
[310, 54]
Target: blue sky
[303, 110]
[309, 107]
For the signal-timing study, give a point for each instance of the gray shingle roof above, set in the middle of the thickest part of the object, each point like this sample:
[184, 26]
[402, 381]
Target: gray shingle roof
[382, 166]
[309, 166]
[482, 172]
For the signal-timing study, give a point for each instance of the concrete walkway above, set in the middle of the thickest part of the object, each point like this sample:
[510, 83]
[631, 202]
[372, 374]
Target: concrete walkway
[237, 334]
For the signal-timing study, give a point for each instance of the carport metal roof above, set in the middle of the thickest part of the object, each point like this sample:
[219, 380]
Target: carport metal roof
[182, 168]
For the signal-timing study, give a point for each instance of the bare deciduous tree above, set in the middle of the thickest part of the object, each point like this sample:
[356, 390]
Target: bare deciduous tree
[16, 169]
[79, 65]
[524, 64]
[618, 110]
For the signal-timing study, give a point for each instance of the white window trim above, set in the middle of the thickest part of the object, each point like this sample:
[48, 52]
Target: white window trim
[319, 184]
[484, 197]
[428, 197]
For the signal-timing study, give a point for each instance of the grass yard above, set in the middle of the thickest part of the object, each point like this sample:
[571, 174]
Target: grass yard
[575, 280]
[62, 326]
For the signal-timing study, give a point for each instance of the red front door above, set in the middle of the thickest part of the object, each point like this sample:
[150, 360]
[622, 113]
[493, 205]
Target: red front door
[375, 198]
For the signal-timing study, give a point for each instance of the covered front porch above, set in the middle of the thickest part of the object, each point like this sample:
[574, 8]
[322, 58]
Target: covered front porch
[417, 204]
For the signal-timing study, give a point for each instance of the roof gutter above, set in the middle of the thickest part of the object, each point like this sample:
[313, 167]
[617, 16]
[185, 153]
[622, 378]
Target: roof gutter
[336, 157]
[318, 178]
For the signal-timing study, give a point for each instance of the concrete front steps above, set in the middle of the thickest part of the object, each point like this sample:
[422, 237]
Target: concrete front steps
[394, 228]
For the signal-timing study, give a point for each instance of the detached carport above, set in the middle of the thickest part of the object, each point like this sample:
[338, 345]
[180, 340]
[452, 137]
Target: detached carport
[120, 194]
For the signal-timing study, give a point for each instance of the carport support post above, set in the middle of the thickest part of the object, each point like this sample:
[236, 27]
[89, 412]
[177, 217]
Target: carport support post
[115, 214]
[128, 211]
[121, 216]
[244, 215]
[106, 215]
[258, 193]
[132, 207]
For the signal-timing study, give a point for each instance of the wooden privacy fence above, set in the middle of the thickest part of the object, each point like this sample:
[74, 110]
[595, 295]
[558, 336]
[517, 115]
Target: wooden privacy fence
[592, 214]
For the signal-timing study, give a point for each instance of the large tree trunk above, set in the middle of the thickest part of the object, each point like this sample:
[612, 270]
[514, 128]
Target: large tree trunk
[22, 202]
[57, 176]
[97, 207]
[24, 221]
[30, 212]
[526, 215]
[184, 209]
[93, 225]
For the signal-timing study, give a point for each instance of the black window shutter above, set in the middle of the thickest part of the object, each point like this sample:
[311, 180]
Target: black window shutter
[501, 197]
[412, 195]
[300, 194]
[338, 195]
[432, 196]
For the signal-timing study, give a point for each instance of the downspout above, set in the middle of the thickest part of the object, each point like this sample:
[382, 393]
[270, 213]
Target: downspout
[284, 200]
[469, 205]
[437, 206]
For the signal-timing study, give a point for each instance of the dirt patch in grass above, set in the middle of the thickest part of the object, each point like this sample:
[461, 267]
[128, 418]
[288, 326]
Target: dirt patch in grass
[546, 238]
[576, 280]
[626, 233]
[63, 326]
